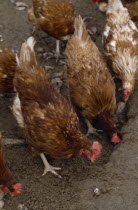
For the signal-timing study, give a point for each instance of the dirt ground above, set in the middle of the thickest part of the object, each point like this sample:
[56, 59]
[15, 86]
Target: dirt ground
[115, 173]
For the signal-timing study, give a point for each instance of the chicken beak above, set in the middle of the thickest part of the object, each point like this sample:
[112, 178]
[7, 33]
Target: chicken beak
[92, 160]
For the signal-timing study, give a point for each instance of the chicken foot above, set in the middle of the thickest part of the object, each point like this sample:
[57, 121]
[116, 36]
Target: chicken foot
[48, 167]
[91, 129]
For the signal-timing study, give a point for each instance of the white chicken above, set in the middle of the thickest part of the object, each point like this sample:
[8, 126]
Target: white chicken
[120, 39]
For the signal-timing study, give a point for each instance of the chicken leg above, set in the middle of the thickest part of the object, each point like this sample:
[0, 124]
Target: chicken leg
[48, 167]
[57, 53]
[91, 129]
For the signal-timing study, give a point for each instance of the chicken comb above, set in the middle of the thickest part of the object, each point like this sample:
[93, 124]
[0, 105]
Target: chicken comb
[17, 189]
[96, 147]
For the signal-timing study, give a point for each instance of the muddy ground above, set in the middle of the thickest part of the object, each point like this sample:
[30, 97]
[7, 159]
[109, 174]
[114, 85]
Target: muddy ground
[115, 173]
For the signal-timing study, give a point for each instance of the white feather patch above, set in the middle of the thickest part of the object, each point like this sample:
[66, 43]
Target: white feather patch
[31, 42]
[16, 108]
[103, 7]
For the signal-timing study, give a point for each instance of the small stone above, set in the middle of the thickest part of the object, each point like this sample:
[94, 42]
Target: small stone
[40, 49]
[58, 74]
[1, 38]
[22, 207]
[120, 107]
[21, 4]
[20, 8]
[97, 191]
[62, 62]
[49, 67]
[1, 204]
[120, 89]
[93, 30]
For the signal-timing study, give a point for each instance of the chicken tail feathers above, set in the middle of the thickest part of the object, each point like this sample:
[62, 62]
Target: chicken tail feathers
[80, 30]
[27, 54]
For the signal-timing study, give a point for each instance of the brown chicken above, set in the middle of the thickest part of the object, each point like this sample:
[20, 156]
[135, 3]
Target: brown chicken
[131, 5]
[7, 69]
[120, 39]
[51, 125]
[55, 17]
[92, 88]
[7, 181]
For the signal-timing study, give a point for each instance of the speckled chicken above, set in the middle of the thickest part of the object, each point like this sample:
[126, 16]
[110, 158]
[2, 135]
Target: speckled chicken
[91, 86]
[55, 17]
[51, 125]
[131, 5]
[7, 69]
[7, 181]
[120, 39]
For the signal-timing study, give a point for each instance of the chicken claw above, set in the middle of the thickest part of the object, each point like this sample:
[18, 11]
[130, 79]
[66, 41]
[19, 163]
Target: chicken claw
[91, 129]
[48, 167]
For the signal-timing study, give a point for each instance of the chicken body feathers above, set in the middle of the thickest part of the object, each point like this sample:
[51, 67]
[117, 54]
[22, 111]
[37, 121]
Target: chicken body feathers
[120, 39]
[89, 78]
[7, 69]
[55, 17]
[51, 125]
[6, 177]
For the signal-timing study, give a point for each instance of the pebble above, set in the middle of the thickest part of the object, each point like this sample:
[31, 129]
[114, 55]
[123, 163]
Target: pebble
[120, 107]
[93, 30]
[21, 6]
[22, 207]
[97, 191]
[1, 38]
[49, 67]
[40, 49]
[59, 74]
[62, 62]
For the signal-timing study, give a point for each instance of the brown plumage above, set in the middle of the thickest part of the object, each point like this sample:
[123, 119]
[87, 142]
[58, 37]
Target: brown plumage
[7, 69]
[7, 181]
[55, 17]
[50, 124]
[120, 39]
[131, 5]
[92, 88]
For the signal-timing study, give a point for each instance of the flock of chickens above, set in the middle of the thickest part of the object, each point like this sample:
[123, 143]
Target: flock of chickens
[49, 121]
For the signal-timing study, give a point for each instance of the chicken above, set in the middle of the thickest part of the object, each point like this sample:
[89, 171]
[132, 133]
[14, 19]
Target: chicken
[51, 125]
[131, 5]
[55, 17]
[7, 69]
[92, 89]
[7, 182]
[120, 39]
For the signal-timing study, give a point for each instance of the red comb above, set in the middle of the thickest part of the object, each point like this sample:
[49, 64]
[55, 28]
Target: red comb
[126, 94]
[115, 139]
[94, 1]
[97, 147]
[17, 189]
